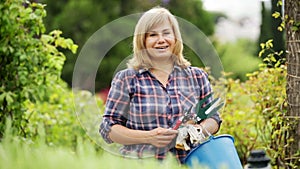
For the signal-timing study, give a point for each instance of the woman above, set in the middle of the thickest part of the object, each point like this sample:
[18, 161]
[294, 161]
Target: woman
[146, 99]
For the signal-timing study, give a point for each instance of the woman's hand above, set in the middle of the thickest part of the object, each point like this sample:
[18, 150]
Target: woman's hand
[161, 137]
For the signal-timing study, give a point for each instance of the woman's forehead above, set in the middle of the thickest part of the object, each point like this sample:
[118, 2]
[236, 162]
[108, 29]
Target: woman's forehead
[162, 26]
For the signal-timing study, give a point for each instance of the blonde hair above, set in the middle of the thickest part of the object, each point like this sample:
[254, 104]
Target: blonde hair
[148, 20]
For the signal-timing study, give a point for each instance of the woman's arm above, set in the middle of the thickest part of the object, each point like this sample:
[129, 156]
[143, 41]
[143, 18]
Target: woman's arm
[159, 137]
[210, 126]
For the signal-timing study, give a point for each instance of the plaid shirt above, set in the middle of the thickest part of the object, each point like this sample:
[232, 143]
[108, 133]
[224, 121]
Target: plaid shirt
[139, 101]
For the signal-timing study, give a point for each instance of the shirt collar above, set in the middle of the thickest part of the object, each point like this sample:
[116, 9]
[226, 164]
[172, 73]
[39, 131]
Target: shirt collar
[142, 70]
[176, 67]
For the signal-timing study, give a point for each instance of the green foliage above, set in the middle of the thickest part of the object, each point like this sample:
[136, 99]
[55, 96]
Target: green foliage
[239, 119]
[30, 60]
[40, 106]
[272, 26]
[80, 19]
[271, 59]
[238, 58]
[58, 117]
[195, 14]
[269, 100]
[15, 153]
[265, 33]
[256, 112]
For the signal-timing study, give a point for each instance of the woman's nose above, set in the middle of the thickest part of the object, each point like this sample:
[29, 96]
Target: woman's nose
[161, 38]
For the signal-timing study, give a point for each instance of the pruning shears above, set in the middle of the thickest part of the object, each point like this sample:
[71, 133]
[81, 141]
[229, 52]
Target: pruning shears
[184, 118]
[202, 112]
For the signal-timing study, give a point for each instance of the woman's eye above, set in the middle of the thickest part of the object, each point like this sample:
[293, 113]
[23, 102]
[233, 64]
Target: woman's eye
[167, 33]
[151, 34]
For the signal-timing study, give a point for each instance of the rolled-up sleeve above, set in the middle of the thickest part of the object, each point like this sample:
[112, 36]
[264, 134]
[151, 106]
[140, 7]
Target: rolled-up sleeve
[117, 105]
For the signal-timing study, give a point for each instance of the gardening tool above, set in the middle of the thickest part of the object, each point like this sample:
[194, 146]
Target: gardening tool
[208, 110]
[195, 135]
[202, 112]
[184, 118]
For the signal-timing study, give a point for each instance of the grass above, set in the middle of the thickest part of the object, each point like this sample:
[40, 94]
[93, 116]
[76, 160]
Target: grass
[17, 153]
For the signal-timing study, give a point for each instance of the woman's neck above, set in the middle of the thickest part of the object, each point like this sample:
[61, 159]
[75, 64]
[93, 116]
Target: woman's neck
[166, 67]
[162, 72]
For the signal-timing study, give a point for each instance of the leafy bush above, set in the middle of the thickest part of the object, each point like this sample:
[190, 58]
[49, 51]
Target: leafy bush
[255, 113]
[30, 60]
[268, 95]
[240, 119]
[58, 116]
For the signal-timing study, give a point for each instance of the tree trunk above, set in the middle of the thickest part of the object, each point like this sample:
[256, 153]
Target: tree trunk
[292, 10]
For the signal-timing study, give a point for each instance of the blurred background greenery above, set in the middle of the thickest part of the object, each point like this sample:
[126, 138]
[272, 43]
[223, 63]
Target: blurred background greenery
[80, 19]
[38, 63]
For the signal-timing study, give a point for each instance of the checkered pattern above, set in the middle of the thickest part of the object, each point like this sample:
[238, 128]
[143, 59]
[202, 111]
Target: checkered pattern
[139, 101]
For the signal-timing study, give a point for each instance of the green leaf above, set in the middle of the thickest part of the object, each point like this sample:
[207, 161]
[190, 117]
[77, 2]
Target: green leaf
[269, 43]
[273, 59]
[2, 96]
[261, 53]
[9, 98]
[74, 48]
[276, 14]
[294, 28]
[47, 38]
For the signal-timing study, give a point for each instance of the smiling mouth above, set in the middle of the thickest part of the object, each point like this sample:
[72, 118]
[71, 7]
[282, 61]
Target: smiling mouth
[162, 47]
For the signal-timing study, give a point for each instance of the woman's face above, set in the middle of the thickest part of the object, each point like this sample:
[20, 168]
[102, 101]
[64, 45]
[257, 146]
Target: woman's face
[160, 41]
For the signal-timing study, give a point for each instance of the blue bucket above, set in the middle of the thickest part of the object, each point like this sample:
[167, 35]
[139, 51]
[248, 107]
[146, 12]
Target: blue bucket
[215, 153]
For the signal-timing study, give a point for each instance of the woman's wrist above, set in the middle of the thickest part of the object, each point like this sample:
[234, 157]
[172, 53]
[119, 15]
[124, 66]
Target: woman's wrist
[209, 126]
